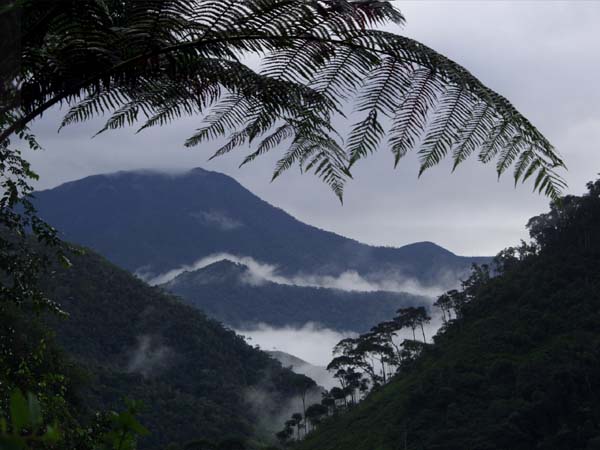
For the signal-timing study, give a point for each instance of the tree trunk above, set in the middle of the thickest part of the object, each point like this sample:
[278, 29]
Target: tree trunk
[304, 409]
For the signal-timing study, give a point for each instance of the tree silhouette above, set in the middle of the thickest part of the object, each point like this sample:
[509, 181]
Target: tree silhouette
[328, 401]
[413, 318]
[314, 414]
[286, 434]
[374, 346]
[444, 303]
[302, 385]
[298, 422]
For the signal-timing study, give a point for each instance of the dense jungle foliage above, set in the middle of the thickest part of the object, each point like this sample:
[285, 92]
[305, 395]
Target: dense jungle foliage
[124, 339]
[518, 367]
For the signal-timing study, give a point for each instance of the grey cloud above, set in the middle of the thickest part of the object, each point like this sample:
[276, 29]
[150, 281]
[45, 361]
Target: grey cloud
[311, 342]
[149, 356]
[217, 219]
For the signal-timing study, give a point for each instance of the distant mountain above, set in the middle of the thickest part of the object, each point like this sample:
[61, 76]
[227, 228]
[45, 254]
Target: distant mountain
[231, 293]
[151, 223]
[196, 378]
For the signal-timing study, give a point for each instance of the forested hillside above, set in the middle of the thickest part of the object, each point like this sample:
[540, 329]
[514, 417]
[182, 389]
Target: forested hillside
[519, 368]
[151, 223]
[228, 292]
[196, 378]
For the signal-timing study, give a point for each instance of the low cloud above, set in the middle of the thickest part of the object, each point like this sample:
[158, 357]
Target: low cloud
[310, 342]
[217, 219]
[259, 272]
[319, 374]
[314, 345]
[271, 412]
[149, 356]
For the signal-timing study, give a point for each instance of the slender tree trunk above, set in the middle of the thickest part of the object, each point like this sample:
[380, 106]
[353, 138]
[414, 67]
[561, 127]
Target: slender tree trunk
[423, 331]
[304, 409]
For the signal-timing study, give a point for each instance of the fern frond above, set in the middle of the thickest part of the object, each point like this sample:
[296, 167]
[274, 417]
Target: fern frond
[411, 118]
[453, 110]
[282, 133]
[155, 61]
[364, 138]
[498, 137]
[473, 135]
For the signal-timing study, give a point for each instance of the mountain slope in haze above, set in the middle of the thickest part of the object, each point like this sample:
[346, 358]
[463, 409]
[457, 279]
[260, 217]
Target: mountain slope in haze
[151, 223]
[230, 293]
[193, 375]
[519, 370]
[319, 374]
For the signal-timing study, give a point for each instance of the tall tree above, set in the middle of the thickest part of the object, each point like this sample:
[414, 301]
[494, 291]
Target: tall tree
[297, 419]
[413, 317]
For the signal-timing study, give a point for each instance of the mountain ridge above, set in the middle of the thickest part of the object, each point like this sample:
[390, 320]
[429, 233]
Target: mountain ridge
[153, 222]
[516, 367]
[194, 375]
[229, 292]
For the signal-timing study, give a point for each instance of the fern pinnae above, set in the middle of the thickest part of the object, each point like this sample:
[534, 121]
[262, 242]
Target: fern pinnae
[473, 134]
[284, 132]
[237, 139]
[496, 139]
[449, 119]
[364, 137]
[222, 117]
[410, 119]
[510, 152]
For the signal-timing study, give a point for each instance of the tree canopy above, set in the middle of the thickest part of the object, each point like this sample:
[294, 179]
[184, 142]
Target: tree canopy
[516, 363]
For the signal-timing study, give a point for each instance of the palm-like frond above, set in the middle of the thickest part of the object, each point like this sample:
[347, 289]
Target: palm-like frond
[157, 60]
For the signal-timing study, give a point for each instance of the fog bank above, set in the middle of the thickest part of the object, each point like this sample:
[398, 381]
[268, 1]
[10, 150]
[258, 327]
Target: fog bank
[311, 343]
[259, 272]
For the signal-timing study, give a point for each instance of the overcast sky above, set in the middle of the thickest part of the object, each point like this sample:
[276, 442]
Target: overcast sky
[543, 56]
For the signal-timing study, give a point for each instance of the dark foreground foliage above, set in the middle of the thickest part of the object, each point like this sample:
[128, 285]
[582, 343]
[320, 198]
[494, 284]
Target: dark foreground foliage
[518, 368]
[192, 374]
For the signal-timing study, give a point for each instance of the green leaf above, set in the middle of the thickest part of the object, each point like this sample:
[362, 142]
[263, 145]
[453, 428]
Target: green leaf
[12, 443]
[35, 411]
[65, 262]
[52, 434]
[19, 412]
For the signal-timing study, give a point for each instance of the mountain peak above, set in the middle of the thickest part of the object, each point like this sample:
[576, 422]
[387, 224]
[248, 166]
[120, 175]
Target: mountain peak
[426, 246]
[155, 222]
[223, 271]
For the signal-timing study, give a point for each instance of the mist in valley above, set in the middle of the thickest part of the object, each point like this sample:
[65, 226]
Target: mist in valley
[350, 280]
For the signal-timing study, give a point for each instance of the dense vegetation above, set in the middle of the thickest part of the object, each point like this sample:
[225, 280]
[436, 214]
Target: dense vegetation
[157, 60]
[517, 366]
[193, 375]
[153, 223]
[227, 292]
